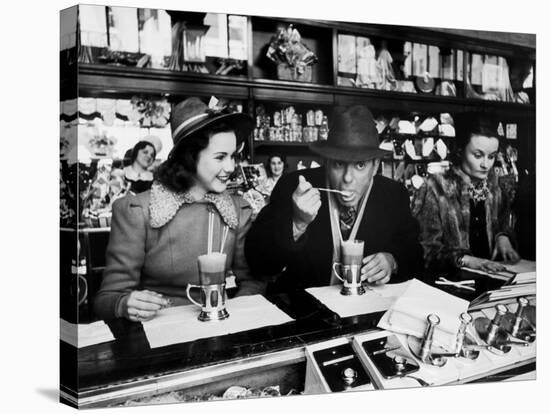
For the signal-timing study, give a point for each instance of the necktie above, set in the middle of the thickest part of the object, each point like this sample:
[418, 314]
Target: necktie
[347, 218]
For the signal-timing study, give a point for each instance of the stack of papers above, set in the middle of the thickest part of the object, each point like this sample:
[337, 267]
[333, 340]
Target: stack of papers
[82, 335]
[409, 313]
[506, 294]
[180, 324]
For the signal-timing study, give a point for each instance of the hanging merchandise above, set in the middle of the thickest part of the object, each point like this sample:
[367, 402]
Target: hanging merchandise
[155, 35]
[428, 125]
[427, 146]
[106, 108]
[87, 110]
[367, 73]
[441, 149]
[386, 77]
[406, 127]
[446, 125]
[410, 150]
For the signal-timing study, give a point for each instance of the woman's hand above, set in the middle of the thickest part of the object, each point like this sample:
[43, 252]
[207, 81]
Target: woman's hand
[143, 305]
[504, 249]
[482, 264]
[378, 268]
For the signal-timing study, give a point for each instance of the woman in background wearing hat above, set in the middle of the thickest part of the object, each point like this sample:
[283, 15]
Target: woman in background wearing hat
[137, 173]
[464, 215]
[157, 235]
[297, 236]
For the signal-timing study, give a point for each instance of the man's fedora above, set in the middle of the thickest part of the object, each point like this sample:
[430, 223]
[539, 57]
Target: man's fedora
[352, 136]
[192, 115]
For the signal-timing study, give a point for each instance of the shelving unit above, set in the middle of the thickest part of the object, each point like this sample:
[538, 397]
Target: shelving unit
[258, 86]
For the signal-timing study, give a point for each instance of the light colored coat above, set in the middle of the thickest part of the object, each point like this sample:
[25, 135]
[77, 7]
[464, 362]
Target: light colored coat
[155, 242]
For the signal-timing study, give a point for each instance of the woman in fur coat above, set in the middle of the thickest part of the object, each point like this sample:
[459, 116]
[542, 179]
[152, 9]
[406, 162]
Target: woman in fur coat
[464, 214]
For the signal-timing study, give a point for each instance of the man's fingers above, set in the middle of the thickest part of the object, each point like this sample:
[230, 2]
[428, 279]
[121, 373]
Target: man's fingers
[303, 185]
[377, 276]
[369, 258]
[495, 252]
[370, 263]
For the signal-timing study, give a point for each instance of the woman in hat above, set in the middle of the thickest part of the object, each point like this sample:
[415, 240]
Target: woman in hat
[464, 214]
[156, 236]
[137, 173]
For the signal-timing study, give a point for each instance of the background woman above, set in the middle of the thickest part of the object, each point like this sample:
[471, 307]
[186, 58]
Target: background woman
[464, 215]
[274, 167]
[137, 173]
[157, 235]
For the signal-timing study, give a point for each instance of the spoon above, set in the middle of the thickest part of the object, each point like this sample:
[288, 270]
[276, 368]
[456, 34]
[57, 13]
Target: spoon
[329, 190]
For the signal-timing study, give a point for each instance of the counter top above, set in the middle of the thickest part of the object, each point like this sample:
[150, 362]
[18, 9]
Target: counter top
[128, 367]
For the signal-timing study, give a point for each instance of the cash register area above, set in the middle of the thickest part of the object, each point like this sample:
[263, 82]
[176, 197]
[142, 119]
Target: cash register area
[461, 328]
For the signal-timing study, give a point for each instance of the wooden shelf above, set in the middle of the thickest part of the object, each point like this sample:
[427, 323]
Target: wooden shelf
[105, 79]
[260, 144]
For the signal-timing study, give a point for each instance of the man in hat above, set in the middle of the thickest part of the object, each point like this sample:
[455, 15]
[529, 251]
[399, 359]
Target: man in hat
[298, 235]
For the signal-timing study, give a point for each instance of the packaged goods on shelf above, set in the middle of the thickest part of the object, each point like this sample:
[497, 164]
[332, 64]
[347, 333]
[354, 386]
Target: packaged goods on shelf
[288, 126]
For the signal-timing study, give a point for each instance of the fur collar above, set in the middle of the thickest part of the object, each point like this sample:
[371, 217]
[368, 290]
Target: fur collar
[165, 204]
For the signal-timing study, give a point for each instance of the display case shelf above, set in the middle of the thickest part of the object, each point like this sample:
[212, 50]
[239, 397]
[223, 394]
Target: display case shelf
[269, 144]
[94, 79]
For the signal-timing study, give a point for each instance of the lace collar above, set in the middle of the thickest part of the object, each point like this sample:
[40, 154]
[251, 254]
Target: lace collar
[165, 204]
[477, 190]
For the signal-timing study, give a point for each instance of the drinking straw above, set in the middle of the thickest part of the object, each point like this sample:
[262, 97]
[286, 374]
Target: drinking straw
[224, 237]
[210, 230]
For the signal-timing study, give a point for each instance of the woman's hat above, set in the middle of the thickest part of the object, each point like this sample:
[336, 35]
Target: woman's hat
[192, 115]
[352, 136]
[155, 140]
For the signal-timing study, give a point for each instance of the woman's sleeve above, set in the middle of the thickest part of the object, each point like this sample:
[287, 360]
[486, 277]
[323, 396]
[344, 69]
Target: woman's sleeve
[246, 283]
[427, 210]
[124, 258]
[505, 193]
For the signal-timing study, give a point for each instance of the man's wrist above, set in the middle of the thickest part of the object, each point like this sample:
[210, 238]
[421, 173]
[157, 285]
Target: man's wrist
[298, 229]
